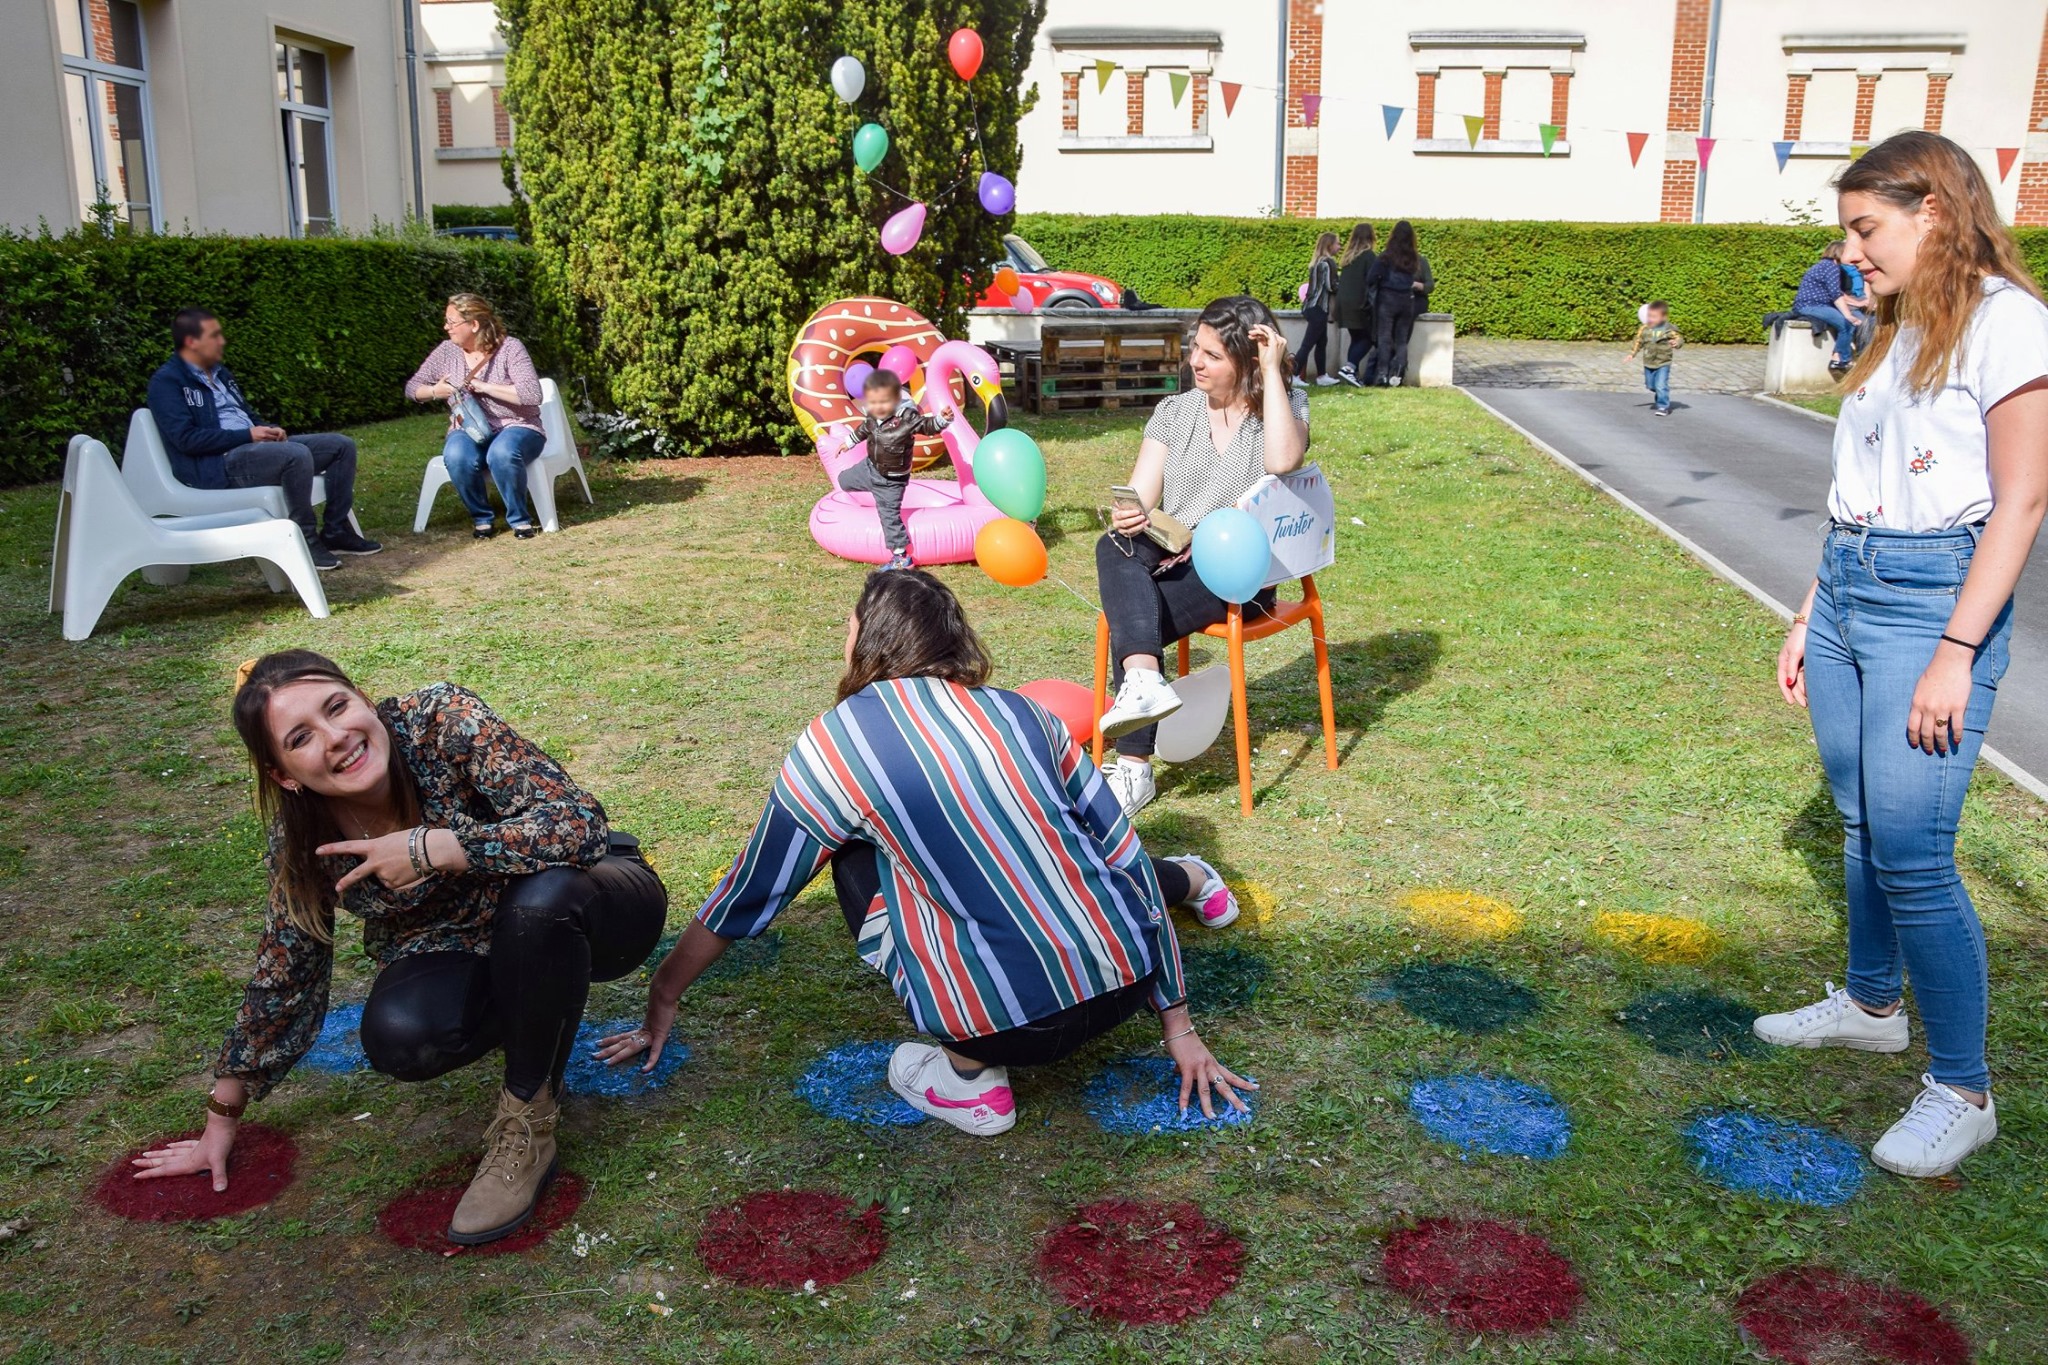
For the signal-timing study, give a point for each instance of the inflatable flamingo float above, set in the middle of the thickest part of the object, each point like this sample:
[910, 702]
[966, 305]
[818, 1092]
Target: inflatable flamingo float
[941, 516]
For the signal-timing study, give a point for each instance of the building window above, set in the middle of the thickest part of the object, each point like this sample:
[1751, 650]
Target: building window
[1117, 88]
[306, 114]
[106, 109]
[1845, 90]
[1515, 82]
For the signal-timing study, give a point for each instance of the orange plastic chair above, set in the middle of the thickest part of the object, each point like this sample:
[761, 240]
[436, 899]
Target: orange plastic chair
[1234, 631]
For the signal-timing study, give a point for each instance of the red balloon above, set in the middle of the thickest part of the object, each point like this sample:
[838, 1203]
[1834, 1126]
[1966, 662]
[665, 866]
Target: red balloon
[964, 48]
[1071, 702]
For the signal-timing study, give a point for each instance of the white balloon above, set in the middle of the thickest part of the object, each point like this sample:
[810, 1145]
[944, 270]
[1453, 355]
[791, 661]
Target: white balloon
[849, 78]
[1204, 702]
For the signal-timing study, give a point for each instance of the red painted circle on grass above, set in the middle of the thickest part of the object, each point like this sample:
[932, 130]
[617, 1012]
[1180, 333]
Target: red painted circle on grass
[259, 1169]
[418, 1219]
[1485, 1276]
[1140, 1262]
[781, 1239]
[1811, 1316]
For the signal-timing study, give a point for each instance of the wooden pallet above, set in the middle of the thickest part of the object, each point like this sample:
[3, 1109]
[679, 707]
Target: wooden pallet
[1105, 362]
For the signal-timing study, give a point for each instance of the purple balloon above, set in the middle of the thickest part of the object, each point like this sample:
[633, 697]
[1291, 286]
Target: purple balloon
[857, 375]
[903, 229]
[1022, 301]
[998, 195]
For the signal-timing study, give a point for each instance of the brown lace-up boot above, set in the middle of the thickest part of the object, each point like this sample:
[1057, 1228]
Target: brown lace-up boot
[519, 1161]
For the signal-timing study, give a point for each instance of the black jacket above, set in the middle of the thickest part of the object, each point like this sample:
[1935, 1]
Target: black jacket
[1396, 288]
[1354, 302]
[893, 440]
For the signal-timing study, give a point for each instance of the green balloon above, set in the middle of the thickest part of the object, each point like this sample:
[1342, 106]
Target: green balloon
[1011, 472]
[870, 145]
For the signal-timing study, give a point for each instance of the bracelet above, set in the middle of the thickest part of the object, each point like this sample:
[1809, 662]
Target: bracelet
[1178, 1036]
[427, 849]
[1964, 643]
[226, 1111]
[1798, 618]
[412, 851]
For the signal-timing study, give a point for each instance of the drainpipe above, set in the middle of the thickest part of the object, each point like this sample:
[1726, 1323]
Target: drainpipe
[1699, 189]
[1280, 119]
[420, 207]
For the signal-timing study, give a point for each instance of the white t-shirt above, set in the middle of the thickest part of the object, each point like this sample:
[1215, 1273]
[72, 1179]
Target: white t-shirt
[1923, 464]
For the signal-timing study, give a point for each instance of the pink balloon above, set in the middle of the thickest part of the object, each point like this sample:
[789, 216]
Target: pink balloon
[903, 229]
[1301, 294]
[857, 377]
[900, 361]
[1023, 302]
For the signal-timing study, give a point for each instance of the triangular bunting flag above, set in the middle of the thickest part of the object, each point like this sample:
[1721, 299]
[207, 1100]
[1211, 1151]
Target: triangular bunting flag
[1857, 149]
[1310, 105]
[1230, 89]
[1103, 69]
[1548, 132]
[1784, 151]
[2006, 156]
[1474, 125]
[1179, 82]
[1705, 145]
[1392, 114]
[1635, 147]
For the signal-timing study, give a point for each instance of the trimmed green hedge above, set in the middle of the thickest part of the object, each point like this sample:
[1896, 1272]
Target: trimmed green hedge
[476, 215]
[320, 333]
[1550, 281]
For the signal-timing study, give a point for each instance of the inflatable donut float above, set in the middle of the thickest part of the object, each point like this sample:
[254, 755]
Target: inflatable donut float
[837, 335]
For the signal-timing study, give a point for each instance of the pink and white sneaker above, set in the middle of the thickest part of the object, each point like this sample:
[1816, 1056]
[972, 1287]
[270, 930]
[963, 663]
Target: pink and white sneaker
[1212, 901]
[925, 1078]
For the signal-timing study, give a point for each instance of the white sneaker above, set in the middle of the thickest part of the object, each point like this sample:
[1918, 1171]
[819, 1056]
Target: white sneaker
[1299, 382]
[1836, 1021]
[1131, 784]
[1350, 376]
[924, 1076]
[1937, 1132]
[1211, 901]
[1324, 381]
[1145, 699]
[1395, 382]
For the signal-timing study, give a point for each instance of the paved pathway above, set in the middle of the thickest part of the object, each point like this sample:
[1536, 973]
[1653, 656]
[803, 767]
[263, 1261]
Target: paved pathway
[1747, 481]
[1601, 365]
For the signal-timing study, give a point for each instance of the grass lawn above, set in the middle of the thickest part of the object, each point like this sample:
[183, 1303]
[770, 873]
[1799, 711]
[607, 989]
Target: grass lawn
[1829, 403]
[1540, 700]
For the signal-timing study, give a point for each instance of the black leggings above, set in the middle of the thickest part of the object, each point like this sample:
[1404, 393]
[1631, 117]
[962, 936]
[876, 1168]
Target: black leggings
[556, 931]
[1315, 341]
[1150, 610]
[1394, 320]
[857, 880]
[1361, 346]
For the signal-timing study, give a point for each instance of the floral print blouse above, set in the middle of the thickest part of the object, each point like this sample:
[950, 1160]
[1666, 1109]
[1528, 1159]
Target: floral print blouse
[514, 810]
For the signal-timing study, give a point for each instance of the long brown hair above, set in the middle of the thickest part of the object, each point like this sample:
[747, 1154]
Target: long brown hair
[911, 626]
[1232, 318]
[1401, 254]
[1360, 242]
[301, 821]
[1967, 243]
[1326, 249]
[490, 328]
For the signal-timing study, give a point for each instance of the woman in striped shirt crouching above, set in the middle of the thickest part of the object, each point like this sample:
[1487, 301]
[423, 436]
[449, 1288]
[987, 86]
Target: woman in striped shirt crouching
[981, 862]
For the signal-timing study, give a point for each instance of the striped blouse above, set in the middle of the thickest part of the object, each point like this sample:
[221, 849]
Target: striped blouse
[1012, 885]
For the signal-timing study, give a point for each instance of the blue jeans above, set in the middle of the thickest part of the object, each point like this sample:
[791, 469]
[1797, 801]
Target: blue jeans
[292, 466]
[1830, 317]
[1884, 601]
[1658, 382]
[509, 451]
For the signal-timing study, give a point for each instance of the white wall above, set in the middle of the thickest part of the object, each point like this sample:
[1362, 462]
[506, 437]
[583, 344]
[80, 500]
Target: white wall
[461, 51]
[35, 178]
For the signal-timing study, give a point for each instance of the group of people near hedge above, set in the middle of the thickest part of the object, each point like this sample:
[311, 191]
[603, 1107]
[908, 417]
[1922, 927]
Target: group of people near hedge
[986, 868]
[214, 438]
[1376, 297]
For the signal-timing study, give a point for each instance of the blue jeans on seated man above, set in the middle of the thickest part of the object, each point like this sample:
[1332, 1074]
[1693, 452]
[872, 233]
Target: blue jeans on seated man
[292, 465]
[507, 454]
[1829, 317]
[1883, 603]
[1658, 381]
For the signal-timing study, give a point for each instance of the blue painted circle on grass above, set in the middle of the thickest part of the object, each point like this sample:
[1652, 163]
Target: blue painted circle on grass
[585, 1075]
[852, 1083]
[339, 1048]
[1492, 1114]
[1773, 1159]
[1142, 1095]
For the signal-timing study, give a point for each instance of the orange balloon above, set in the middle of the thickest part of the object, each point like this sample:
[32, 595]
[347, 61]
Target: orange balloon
[1007, 281]
[1010, 552]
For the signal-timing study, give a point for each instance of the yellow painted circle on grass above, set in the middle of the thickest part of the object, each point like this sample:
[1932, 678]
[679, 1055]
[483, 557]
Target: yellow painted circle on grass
[1657, 938]
[1461, 914]
[1255, 905]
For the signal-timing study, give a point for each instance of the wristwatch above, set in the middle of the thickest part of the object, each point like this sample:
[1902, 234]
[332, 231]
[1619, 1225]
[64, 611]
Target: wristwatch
[226, 1111]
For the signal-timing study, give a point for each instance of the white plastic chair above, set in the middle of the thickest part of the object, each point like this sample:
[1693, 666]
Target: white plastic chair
[146, 467]
[556, 458]
[103, 535]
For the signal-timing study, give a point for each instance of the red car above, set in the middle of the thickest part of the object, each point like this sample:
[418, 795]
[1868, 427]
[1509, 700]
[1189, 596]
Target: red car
[1066, 290]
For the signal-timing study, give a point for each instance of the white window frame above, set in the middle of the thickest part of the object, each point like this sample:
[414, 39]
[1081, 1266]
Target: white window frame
[302, 114]
[97, 74]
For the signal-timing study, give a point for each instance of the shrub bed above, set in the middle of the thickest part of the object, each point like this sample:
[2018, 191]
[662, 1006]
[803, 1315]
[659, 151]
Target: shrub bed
[476, 215]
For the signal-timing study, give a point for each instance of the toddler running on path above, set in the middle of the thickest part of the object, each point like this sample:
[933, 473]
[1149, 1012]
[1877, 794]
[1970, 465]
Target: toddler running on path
[1656, 340]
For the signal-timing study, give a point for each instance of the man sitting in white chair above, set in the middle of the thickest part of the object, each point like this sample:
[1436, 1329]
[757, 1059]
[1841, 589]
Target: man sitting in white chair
[213, 438]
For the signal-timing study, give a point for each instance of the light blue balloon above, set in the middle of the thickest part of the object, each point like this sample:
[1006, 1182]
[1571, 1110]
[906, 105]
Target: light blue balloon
[1231, 554]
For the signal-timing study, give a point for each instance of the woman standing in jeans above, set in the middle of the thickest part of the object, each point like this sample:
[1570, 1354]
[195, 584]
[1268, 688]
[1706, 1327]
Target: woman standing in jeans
[1399, 284]
[1203, 450]
[478, 357]
[1941, 481]
[980, 864]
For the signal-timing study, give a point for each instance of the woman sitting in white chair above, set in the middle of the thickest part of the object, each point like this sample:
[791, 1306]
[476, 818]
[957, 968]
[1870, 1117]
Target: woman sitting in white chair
[493, 396]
